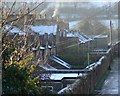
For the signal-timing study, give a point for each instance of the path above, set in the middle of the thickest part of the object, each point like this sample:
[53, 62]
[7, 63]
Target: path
[110, 85]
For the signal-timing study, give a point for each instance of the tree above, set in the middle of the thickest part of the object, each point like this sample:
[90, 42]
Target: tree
[86, 27]
[17, 68]
[99, 28]
[92, 27]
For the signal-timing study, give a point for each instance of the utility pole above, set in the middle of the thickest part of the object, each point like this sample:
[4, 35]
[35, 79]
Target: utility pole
[88, 54]
[109, 68]
[110, 25]
[110, 33]
[57, 39]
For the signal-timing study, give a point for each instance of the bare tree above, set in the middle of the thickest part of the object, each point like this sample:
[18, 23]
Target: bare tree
[18, 66]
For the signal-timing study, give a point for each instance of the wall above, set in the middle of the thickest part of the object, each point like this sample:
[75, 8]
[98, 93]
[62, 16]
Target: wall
[86, 83]
[73, 53]
[101, 43]
[65, 43]
[21, 21]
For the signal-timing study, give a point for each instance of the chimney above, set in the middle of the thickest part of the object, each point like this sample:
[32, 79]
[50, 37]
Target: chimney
[28, 10]
[45, 16]
[52, 18]
[57, 19]
[40, 16]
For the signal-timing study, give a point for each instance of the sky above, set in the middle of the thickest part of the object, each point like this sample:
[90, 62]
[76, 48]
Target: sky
[61, 0]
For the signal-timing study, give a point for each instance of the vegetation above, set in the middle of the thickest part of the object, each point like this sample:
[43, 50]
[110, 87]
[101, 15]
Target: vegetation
[90, 27]
[17, 72]
[76, 56]
[17, 65]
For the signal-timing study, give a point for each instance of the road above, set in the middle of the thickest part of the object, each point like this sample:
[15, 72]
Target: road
[110, 85]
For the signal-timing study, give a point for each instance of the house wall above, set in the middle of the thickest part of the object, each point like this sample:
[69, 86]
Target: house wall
[20, 23]
[73, 53]
[63, 25]
[41, 22]
[66, 42]
[87, 83]
[101, 43]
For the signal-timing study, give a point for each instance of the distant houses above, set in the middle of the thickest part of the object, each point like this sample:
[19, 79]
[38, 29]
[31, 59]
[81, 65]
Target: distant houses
[58, 39]
[25, 20]
[58, 47]
[12, 29]
[12, 32]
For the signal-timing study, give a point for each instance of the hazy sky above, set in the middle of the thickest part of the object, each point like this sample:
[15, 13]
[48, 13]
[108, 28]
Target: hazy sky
[62, 0]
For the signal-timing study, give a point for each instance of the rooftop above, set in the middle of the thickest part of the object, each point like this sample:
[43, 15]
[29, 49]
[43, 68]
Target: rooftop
[72, 24]
[82, 37]
[58, 76]
[13, 29]
[61, 62]
[101, 36]
[44, 29]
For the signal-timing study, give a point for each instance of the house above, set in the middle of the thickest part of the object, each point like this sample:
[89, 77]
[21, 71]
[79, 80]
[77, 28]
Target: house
[72, 24]
[73, 47]
[27, 19]
[46, 33]
[59, 63]
[46, 40]
[18, 34]
[11, 31]
[100, 46]
[101, 42]
[42, 29]
[82, 37]
[57, 81]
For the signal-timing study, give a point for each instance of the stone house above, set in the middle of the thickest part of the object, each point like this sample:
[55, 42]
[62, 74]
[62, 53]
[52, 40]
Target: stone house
[101, 42]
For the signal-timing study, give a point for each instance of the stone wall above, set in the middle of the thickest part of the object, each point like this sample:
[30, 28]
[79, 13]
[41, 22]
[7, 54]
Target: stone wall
[86, 83]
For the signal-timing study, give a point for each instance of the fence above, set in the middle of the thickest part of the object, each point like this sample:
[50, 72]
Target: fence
[86, 83]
